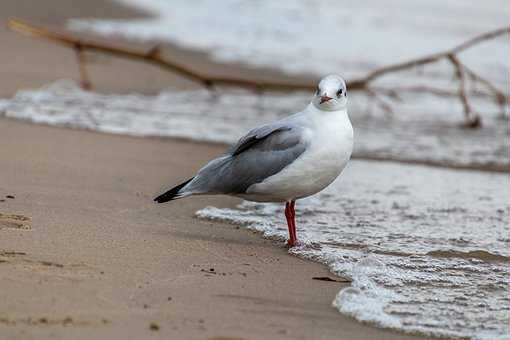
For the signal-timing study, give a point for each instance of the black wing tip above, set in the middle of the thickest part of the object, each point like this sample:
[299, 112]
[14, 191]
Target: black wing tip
[171, 194]
[161, 199]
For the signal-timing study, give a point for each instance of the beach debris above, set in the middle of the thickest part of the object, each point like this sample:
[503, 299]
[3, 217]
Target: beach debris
[51, 264]
[35, 321]
[12, 253]
[14, 221]
[328, 279]
[10, 197]
[154, 326]
[467, 78]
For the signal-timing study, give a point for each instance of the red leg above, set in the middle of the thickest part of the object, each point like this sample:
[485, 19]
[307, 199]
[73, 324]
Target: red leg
[293, 212]
[291, 223]
[288, 216]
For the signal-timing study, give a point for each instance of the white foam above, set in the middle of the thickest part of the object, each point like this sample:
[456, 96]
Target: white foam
[425, 130]
[327, 36]
[379, 223]
[365, 300]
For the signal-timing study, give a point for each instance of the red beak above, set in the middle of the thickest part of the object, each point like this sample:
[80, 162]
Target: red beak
[325, 99]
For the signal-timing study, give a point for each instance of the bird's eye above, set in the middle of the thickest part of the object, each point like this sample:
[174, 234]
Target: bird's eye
[339, 92]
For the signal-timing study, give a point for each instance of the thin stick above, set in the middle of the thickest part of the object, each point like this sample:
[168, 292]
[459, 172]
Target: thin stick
[358, 84]
[432, 58]
[80, 56]
[152, 56]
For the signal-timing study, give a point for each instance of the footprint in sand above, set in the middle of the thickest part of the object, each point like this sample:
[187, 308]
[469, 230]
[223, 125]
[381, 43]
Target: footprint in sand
[24, 261]
[13, 221]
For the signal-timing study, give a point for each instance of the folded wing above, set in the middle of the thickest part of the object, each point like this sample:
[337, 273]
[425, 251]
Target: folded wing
[263, 152]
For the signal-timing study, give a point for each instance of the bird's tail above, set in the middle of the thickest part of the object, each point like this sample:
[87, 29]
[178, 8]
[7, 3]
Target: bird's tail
[173, 193]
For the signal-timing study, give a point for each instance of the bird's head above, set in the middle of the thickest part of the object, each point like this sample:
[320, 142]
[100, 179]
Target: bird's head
[331, 94]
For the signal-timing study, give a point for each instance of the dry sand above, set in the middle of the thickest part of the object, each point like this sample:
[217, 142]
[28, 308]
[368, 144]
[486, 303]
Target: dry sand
[85, 254]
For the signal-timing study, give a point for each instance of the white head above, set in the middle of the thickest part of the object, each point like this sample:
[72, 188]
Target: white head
[331, 94]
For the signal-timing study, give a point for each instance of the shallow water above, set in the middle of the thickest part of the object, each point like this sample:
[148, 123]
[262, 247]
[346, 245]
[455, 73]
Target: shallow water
[426, 130]
[319, 36]
[353, 38]
[428, 249]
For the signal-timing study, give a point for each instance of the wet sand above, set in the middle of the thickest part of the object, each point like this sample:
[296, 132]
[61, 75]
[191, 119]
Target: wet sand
[84, 252]
[88, 255]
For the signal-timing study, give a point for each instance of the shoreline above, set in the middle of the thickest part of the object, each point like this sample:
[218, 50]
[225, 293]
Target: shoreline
[426, 163]
[92, 227]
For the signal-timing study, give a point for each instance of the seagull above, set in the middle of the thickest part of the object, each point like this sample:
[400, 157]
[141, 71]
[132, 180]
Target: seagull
[284, 161]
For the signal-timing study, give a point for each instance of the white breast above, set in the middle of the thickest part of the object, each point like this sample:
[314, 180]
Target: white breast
[330, 138]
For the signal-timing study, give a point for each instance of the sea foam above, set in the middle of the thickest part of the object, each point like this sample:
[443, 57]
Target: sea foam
[427, 249]
[425, 129]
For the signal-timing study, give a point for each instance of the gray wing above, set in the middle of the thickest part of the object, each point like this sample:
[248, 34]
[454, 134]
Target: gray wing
[255, 136]
[260, 154]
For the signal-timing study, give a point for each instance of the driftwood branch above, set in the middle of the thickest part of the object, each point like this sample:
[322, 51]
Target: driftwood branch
[84, 78]
[472, 119]
[152, 56]
[366, 84]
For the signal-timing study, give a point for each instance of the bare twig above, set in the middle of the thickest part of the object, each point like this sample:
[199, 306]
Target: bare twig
[432, 58]
[152, 56]
[80, 56]
[394, 92]
[472, 118]
[499, 95]
[365, 83]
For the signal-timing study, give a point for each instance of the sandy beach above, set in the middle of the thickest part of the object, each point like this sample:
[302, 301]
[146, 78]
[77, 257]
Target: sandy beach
[84, 252]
